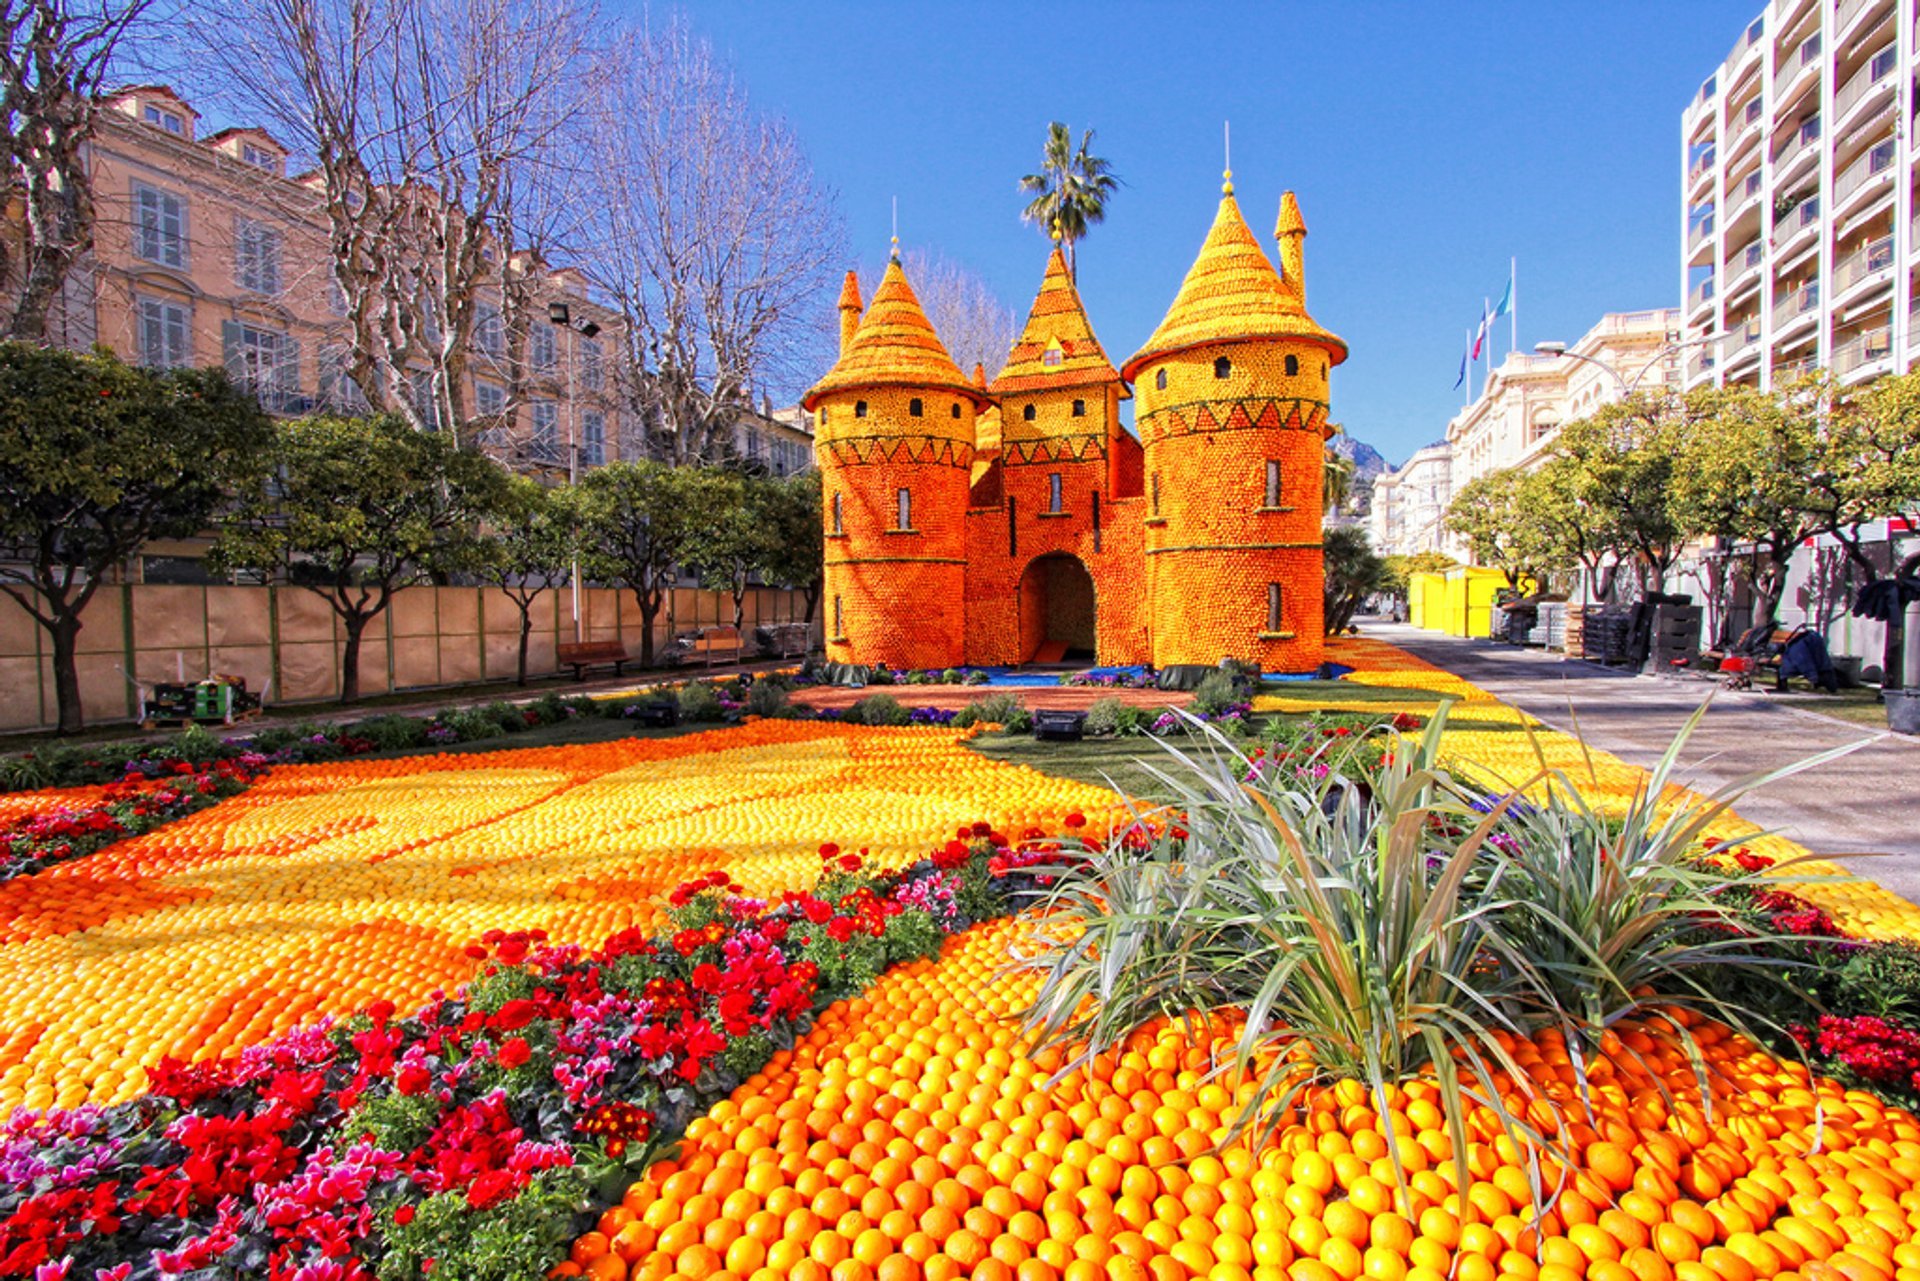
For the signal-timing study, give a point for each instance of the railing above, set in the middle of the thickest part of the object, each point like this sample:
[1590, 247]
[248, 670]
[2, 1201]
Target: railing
[1702, 231]
[1804, 137]
[1796, 303]
[1877, 161]
[1748, 193]
[1788, 369]
[1863, 349]
[1849, 10]
[1875, 255]
[1700, 293]
[1703, 164]
[1750, 38]
[1700, 365]
[1881, 68]
[1744, 337]
[1810, 49]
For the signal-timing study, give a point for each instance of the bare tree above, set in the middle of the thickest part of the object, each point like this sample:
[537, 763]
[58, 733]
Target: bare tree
[976, 326]
[54, 57]
[439, 129]
[711, 237]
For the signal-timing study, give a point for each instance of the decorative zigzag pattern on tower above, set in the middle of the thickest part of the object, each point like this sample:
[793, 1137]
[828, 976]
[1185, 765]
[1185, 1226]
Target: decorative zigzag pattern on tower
[1265, 413]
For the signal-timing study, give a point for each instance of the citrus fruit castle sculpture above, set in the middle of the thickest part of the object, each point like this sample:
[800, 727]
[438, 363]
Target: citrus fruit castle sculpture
[977, 524]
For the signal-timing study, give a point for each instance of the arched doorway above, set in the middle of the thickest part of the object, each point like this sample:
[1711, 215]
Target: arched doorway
[1057, 610]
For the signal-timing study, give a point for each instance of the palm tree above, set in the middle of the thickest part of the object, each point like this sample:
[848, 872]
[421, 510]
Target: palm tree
[1071, 189]
[1336, 473]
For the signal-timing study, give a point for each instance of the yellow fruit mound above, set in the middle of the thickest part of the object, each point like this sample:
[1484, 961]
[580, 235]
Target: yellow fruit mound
[327, 887]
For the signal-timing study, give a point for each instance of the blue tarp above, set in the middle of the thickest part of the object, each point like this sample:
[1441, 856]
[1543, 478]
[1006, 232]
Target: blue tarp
[1334, 672]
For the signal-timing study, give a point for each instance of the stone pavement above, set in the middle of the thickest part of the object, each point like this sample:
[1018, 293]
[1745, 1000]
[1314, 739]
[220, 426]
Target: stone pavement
[1866, 802]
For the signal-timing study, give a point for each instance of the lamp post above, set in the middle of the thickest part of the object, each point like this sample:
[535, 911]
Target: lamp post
[560, 314]
[1627, 387]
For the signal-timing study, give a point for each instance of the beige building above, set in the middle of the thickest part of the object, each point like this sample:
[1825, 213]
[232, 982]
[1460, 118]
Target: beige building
[1797, 228]
[208, 252]
[1518, 414]
[1410, 504]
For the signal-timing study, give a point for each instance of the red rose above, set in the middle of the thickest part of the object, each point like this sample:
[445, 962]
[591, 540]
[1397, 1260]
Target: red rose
[403, 1216]
[515, 1014]
[515, 1053]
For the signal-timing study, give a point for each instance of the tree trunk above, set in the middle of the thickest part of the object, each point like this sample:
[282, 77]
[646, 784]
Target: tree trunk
[356, 625]
[65, 634]
[526, 630]
[739, 604]
[1769, 585]
[813, 598]
[649, 610]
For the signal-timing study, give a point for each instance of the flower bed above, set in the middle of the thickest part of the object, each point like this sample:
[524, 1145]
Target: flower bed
[326, 887]
[460, 1138]
[52, 828]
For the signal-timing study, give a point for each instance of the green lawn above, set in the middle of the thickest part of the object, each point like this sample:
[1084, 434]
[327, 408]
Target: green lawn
[1854, 706]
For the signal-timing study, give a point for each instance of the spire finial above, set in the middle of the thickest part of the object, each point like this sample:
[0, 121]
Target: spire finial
[895, 252]
[1226, 185]
[1055, 232]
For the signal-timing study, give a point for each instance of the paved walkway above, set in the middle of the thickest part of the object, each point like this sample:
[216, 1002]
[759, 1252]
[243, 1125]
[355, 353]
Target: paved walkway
[1866, 802]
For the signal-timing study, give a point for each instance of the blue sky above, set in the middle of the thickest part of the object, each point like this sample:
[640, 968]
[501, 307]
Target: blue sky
[1428, 142]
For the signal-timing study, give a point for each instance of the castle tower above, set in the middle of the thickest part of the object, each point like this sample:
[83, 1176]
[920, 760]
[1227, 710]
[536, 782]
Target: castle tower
[1233, 415]
[1059, 398]
[894, 440]
[849, 310]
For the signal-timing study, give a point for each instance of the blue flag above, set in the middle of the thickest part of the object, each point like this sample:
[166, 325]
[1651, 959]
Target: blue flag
[1505, 304]
[1463, 372]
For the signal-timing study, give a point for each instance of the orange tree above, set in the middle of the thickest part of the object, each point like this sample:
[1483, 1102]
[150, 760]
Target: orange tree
[97, 458]
[364, 508]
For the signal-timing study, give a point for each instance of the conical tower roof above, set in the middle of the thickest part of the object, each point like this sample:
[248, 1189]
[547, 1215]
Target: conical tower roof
[1057, 324]
[895, 346]
[1231, 293]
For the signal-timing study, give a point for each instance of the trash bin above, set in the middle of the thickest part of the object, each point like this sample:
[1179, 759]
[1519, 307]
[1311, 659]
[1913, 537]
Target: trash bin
[1903, 710]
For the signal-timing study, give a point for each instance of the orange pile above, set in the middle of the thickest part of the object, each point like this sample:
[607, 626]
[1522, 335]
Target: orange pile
[909, 1135]
[15, 806]
[327, 887]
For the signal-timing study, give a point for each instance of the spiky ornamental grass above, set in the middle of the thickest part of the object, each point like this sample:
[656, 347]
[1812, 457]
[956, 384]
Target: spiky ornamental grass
[1381, 924]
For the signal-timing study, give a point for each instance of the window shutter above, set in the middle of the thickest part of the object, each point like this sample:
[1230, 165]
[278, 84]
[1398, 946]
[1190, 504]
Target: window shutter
[180, 255]
[231, 352]
[286, 374]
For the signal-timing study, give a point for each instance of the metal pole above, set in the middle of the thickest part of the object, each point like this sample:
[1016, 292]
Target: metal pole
[573, 475]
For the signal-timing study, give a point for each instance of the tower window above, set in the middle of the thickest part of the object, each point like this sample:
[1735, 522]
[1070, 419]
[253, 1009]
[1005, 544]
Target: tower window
[915, 408]
[1052, 356]
[1293, 366]
[956, 409]
[1273, 607]
[1027, 413]
[859, 409]
[836, 515]
[823, 415]
[1323, 369]
[1160, 380]
[906, 509]
[1273, 482]
[1054, 495]
[1222, 367]
[1079, 409]
[1156, 493]
[839, 618]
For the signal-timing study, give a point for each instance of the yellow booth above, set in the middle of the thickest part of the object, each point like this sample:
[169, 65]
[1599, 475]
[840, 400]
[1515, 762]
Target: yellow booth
[1468, 601]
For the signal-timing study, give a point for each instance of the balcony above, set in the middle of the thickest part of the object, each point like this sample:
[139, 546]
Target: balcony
[1851, 11]
[1877, 73]
[1700, 366]
[1699, 296]
[1801, 146]
[1863, 350]
[1702, 167]
[1702, 231]
[1795, 306]
[1744, 267]
[1744, 197]
[1793, 227]
[1875, 258]
[1748, 39]
[1742, 342]
[1797, 68]
[1871, 171]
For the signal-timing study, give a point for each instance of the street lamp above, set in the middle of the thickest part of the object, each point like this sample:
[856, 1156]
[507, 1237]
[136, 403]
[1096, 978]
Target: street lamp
[1627, 388]
[560, 314]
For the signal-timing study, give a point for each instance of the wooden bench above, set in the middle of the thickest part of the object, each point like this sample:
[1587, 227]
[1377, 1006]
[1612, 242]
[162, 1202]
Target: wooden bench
[709, 645]
[580, 655]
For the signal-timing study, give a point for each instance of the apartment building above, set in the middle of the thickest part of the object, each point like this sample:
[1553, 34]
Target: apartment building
[1517, 416]
[208, 252]
[1410, 505]
[1797, 226]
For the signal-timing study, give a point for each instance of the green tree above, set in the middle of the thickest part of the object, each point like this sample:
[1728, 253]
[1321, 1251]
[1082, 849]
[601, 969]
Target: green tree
[795, 554]
[1400, 569]
[729, 548]
[1354, 572]
[1336, 473]
[1744, 474]
[639, 522]
[1620, 469]
[97, 458]
[364, 509]
[1571, 533]
[1486, 511]
[532, 549]
[1870, 439]
[1071, 189]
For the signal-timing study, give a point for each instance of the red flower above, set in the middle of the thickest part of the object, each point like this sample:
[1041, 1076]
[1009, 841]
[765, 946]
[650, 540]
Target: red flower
[849, 862]
[829, 851]
[403, 1216]
[515, 1053]
[1076, 819]
[515, 1014]
[412, 1080]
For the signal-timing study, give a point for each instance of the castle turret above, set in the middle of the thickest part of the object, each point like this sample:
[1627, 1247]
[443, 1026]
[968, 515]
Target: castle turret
[849, 310]
[894, 438]
[1233, 390]
[1290, 232]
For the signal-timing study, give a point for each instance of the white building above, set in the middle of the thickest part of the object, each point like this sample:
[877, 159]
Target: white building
[1410, 502]
[1518, 414]
[1797, 219]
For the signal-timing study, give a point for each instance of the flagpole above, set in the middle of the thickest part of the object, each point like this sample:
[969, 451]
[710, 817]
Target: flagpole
[1472, 369]
[1513, 303]
[1486, 310]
